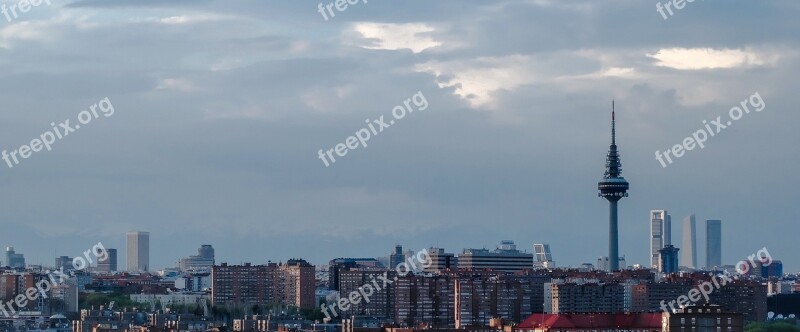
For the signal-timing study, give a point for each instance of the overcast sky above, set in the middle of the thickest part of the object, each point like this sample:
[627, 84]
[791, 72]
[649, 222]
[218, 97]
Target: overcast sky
[222, 105]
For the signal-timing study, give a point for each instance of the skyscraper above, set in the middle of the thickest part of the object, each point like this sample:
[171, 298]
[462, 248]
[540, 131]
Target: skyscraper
[64, 263]
[203, 261]
[689, 254]
[613, 188]
[660, 234]
[668, 259]
[13, 259]
[397, 257]
[138, 251]
[544, 258]
[713, 243]
[109, 264]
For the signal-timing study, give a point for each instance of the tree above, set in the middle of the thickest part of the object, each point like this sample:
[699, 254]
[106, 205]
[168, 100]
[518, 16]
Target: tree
[771, 327]
[312, 314]
[255, 309]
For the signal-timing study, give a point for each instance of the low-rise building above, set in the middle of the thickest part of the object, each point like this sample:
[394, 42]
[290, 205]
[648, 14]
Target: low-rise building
[703, 318]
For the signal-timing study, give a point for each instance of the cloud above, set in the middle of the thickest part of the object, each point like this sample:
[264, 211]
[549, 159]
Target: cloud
[26, 31]
[135, 3]
[709, 58]
[476, 80]
[222, 106]
[176, 84]
[612, 72]
[190, 19]
[390, 36]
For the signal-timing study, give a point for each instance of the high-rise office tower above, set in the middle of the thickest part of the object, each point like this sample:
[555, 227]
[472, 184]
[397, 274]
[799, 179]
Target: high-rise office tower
[138, 251]
[544, 258]
[613, 188]
[668, 259]
[13, 259]
[397, 257]
[660, 234]
[109, 263]
[689, 254]
[713, 243]
[203, 261]
[206, 251]
[440, 261]
[64, 263]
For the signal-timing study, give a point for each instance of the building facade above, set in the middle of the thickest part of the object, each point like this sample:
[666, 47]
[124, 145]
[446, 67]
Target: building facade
[689, 250]
[441, 261]
[109, 263]
[397, 257]
[14, 259]
[660, 234]
[668, 259]
[703, 318]
[586, 296]
[296, 284]
[506, 258]
[64, 263]
[544, 257]
[203, 261]
[289, 284]
[138, 254]
[713, 243]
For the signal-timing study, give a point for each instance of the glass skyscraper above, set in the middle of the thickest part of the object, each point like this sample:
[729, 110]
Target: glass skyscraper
[660, 234]
[713, 243]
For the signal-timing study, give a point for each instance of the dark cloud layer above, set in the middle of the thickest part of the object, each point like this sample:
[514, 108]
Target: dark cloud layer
[221, 107]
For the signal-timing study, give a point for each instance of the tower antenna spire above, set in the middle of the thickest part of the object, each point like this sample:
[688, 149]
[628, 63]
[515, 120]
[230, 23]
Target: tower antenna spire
[613, 124]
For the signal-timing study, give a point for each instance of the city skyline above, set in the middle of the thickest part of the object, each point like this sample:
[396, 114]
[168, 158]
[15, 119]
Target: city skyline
[386, 166]
[707, 237]
[221, 107]
[206, 252]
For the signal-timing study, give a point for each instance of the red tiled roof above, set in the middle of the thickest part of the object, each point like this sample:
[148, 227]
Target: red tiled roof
[642, 320]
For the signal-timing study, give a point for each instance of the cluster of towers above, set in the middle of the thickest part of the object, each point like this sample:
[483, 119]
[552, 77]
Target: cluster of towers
[663, 254]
